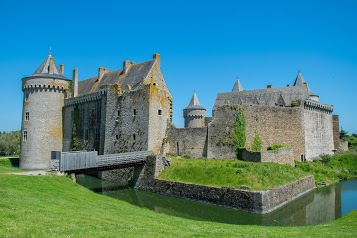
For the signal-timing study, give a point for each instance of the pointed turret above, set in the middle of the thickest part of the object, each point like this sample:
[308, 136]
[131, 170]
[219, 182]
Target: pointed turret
[47, 67]
[194, 103]
[299, 81]
[194, 113]
[237, 86]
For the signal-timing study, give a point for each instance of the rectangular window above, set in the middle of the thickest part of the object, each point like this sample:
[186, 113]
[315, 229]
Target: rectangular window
[118, 113]
[159, 112]
[25, 136]
[27, 116]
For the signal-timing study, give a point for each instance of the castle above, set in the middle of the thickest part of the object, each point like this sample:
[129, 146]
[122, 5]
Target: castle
[130, 109]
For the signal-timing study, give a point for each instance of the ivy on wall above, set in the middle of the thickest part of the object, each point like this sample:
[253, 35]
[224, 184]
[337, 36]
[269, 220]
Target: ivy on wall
[76, 140]
[238, 135]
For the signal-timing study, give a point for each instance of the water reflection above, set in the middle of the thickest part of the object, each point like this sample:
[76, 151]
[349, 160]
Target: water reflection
[316, 207]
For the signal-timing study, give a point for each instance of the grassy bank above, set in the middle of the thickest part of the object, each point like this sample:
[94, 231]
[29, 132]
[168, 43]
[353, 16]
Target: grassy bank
[234, 173]
[7, 163]
[230, 173]
[332, 169]
[57, 207]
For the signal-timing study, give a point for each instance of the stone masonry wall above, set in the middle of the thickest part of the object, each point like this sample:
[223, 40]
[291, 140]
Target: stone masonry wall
[43, 101]
[281, 156]
[187, 141]
[159, 117]
[318, 134]
[127, 119]
[275, 125]
[253, 201]
[336, 131]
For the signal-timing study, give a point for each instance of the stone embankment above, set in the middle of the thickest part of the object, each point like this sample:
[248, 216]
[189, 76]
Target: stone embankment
[145, 178]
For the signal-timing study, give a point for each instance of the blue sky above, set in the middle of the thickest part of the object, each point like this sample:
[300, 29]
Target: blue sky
[204, 46]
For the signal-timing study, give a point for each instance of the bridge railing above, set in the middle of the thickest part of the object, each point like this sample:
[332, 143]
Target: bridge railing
[84, 160]
[122, 158]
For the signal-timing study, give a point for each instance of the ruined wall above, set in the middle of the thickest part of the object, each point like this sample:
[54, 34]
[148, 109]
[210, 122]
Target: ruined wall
[281, 156]
[83, 122]
[318, 133]
[159, 116]
[42, 128]
[127, 119]
[187, 141]
[343, 146]
[275, 125]
[219, 143]
[336, 131]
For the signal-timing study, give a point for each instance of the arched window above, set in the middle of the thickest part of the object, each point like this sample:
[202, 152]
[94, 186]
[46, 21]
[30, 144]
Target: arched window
[24, 136]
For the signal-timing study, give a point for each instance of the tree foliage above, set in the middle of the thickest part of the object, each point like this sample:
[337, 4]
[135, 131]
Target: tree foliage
[257, 143]
[238, 136]
[352, 139]
[10, 143]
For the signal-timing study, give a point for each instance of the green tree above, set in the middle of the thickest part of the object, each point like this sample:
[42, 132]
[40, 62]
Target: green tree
[257, 143]
[238, 136]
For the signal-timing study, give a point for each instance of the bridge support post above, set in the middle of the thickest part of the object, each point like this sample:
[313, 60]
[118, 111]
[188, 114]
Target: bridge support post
[144, 175]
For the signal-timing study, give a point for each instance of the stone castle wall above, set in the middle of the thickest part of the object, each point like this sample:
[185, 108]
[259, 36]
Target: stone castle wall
[275, 125]
[281, 156]
[187, 141]
[336, 131]
[318, 134]
[159, 116]
[83, 119]
[127, 121]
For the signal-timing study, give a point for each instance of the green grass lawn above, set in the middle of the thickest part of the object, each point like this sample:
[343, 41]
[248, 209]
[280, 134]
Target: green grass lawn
[57, 207]
[331, 169]
[234, 173]
[49, 206]
[230, 173]
[6, 164]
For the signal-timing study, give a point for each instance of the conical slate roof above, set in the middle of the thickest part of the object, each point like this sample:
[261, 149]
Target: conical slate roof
[44, 69]
[299, 81]
[194, 103]
[237, 86]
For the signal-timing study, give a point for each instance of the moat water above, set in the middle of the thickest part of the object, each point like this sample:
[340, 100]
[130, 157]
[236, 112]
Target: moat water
[319, 206]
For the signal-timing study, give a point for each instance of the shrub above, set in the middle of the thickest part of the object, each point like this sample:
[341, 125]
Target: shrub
[274, 148]
[257, 143]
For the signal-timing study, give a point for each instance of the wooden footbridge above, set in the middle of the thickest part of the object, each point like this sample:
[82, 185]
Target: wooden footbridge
[88, 161]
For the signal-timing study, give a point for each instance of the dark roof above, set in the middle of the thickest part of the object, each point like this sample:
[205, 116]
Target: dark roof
[194, 103]
[237, 86]
[43, 70]
[268, 97]
[134, 78]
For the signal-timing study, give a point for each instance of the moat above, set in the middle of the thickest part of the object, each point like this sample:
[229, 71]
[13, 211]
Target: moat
[317, 207]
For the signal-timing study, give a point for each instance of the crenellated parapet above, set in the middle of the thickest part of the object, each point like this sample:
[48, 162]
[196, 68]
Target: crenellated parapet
[85, 98]
[318, 106]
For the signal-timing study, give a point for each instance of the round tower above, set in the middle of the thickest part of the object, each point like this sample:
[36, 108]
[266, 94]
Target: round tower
[194, 114]
[41, 130]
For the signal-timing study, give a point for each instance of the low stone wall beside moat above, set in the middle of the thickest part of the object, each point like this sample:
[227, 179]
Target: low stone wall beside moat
[145, 178]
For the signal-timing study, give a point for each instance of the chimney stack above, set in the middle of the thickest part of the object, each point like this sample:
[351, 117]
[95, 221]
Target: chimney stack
[51, 67]
[126, 66]
[101, 72]
[157, 57]
[75, 83]
[62, 69]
